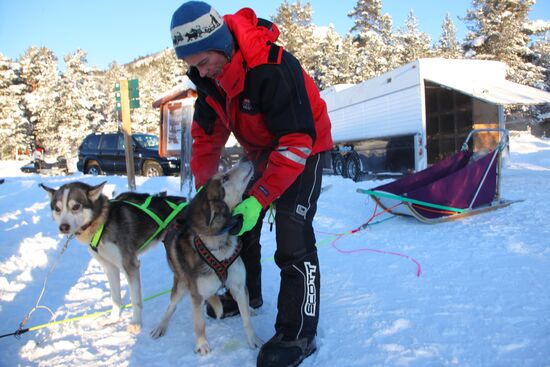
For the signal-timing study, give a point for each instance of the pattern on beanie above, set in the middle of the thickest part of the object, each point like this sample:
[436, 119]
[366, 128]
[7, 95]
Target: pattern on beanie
[197, 29]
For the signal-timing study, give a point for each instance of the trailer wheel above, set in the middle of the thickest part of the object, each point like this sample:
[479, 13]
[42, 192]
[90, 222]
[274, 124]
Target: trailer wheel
[353, 166]
[338, 164]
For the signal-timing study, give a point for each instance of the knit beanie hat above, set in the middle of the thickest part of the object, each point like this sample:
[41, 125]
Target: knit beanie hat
[197, 27]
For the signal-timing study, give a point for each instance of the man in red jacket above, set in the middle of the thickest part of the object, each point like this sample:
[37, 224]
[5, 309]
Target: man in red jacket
[250, 86]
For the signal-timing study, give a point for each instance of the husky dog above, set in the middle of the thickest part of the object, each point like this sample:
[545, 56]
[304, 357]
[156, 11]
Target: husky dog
[116, 230]
[204, 256]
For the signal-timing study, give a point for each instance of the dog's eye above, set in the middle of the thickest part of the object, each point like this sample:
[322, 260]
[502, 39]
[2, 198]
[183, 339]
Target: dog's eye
[57, 209]
[225, 178]
[76, 207]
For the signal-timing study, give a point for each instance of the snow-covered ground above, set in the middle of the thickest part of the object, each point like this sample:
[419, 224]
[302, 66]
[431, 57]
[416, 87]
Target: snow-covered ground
[482, 298]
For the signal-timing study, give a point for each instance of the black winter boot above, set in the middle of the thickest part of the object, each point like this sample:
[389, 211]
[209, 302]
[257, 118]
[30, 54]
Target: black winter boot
[278, 352]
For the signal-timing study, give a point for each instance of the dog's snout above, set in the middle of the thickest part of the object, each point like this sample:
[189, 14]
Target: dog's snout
[64, 228]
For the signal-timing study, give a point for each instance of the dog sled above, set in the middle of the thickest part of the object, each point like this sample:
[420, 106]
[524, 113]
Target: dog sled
[461, 185]
[59, 167]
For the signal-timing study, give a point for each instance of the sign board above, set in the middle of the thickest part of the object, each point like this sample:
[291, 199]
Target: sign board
[177, 117]
[133, 94]
[175, 135]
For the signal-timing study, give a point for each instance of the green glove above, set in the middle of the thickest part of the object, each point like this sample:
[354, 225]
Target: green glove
[246, 213]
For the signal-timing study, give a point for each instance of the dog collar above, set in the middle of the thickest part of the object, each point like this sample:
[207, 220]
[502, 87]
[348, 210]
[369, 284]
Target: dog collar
[219, 267]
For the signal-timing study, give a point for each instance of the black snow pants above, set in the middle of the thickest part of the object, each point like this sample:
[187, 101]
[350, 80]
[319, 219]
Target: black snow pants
[296, 255]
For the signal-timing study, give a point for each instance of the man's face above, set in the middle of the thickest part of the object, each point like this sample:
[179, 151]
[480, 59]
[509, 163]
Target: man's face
[208, 63]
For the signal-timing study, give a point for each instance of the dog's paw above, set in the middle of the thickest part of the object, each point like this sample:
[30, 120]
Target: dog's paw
[134, 328]
[203, 348]
[254, 342]
[158, 332]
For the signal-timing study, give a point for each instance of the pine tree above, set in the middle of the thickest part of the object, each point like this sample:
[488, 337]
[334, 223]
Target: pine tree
[541, 51]
[500, 30]
[14, 125]
[412, 43]
[39, 72]
[81, 105]
[112, 117]
[294, 23]
[367, 15]
[331, 63]
[156, 74]
[447, 45]
[350, 69]
[541, 58]
[374, 37]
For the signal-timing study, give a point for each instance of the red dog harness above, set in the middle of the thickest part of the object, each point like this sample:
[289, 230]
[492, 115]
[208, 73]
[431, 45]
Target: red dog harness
[220, 267]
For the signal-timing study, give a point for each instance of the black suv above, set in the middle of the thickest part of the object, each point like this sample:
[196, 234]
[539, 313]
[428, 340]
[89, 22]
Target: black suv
[104, 153]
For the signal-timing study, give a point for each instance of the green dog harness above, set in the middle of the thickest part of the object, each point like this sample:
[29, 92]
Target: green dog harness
[162, 224]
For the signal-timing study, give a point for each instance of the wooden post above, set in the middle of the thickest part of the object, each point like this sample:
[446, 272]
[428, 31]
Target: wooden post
[127, 130]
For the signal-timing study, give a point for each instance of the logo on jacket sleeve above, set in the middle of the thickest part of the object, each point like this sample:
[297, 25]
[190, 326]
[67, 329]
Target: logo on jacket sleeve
[263, 190]
[247, 105]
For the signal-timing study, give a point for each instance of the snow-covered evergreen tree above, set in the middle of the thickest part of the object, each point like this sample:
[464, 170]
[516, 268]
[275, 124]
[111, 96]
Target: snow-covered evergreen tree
[294, 22]
[331, 63]
[81, 103]
[14, 125]
[352, 66]
[112, 116]
[39, 71]
[367, 16]
[156, 74]
[500, 30]
[541, 51]
[412, 44]
[374, 37]
[448, 46]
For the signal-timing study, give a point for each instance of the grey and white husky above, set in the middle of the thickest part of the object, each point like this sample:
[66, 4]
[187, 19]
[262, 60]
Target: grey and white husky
[204, 256]
[121, 228]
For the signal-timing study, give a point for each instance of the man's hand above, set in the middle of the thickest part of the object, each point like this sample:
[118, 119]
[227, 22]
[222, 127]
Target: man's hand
[246, 214]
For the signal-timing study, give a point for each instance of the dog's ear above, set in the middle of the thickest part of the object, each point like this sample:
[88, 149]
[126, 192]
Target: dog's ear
[49, 190]
[95, 191]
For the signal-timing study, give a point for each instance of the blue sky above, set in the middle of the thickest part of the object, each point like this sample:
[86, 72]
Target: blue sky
[123, 30]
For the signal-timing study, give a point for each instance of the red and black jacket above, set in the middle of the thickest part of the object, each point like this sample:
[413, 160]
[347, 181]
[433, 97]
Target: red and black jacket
[269, 103]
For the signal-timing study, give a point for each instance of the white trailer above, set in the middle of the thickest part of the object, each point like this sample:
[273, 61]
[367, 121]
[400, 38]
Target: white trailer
[413, 116]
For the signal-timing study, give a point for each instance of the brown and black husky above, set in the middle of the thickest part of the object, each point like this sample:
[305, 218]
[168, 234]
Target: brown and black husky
[204, 256]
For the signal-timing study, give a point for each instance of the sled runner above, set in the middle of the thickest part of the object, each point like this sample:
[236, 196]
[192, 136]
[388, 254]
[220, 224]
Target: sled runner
[461, 185]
